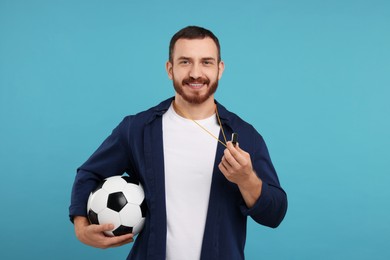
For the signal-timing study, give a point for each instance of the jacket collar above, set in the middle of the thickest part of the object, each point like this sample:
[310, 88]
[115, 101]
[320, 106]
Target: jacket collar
[161, 108]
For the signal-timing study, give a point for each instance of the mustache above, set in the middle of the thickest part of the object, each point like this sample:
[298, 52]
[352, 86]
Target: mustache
[196, 81]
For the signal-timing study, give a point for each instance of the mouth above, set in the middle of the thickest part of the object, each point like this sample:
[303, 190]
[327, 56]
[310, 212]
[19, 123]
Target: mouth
[195, 85]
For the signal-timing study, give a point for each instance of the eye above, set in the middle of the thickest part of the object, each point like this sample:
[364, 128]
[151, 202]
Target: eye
[208, 62]
[184, 62]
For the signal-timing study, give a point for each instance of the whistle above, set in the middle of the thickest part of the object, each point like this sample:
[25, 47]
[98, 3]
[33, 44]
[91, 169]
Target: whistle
[234, 138]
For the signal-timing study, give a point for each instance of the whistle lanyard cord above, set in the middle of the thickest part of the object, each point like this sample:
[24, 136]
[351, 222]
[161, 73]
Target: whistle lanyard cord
[205, 129]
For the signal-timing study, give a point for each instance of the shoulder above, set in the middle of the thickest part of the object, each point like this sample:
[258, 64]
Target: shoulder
[147, 116]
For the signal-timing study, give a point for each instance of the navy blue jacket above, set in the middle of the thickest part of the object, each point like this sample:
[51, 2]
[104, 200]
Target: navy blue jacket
[136, 147]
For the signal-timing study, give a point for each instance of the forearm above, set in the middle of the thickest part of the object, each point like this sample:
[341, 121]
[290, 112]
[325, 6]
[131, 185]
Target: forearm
[79, 223]
[251, 190]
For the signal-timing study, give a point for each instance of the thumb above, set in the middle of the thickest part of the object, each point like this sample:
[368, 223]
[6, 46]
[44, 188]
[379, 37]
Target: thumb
[104, 227]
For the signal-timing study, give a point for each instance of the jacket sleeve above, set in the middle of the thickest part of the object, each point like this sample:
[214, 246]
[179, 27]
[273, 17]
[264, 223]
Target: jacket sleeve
[111, 158]
[271, 207]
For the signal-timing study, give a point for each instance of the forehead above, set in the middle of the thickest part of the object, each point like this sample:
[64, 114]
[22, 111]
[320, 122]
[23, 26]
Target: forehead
[195, 48]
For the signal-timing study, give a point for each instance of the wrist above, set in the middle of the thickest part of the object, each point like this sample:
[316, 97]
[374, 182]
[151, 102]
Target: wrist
[251, 189]
[80, 222]
[250, 182]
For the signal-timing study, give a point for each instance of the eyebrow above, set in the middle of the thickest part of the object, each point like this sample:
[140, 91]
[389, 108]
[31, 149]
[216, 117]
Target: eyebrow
[188, 58]
[209, 58]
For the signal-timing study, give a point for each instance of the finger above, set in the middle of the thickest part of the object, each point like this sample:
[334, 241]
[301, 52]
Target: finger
[115, 241]
[230, 159]
[226, 166]
[222, 168]
[233, 149]
[121, 240]
[239, 155]
[103, 227]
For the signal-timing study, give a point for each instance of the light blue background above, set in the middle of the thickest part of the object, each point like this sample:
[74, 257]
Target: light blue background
[312, 76]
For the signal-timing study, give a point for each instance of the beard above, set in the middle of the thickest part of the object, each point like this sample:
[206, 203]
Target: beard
[196, 97]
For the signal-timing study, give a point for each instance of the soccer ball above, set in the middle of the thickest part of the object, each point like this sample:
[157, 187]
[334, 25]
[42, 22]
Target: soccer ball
[118, 200]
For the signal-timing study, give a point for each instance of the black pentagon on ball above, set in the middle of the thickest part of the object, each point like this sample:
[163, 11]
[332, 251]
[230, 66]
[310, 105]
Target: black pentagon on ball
[93, 217]
[144, 208]
[121, 230]
[116, 201]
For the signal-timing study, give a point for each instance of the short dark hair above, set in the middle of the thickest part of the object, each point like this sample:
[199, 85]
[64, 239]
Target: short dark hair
[193, 32]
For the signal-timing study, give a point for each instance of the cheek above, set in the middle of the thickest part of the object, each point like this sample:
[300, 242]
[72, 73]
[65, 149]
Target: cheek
[178, 74]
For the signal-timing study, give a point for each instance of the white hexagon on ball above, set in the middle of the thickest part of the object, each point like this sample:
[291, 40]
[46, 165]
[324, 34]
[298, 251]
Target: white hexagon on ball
[134, 193]
[108, 216]
[113, 184]
[130, 215]
[99, 199]
[137, 228]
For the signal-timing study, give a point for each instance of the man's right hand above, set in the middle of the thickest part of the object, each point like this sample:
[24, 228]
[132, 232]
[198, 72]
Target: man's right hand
[93, 235]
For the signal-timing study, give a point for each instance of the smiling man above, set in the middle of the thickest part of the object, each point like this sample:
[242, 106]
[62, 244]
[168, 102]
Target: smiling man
[199, 187]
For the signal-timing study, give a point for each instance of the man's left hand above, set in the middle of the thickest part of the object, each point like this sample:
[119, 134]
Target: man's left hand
[236, 166]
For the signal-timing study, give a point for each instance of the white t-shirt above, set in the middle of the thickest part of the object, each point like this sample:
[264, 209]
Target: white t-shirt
[189, 155]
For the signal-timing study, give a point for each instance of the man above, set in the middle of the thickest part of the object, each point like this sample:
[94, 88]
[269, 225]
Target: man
[199, 187]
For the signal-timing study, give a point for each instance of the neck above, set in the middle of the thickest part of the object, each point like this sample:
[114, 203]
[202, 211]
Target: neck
[194, 111]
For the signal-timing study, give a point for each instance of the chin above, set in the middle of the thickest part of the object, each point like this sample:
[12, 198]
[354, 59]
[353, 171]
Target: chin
[197, 96]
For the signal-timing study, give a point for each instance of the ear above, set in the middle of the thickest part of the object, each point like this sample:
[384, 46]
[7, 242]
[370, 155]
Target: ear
[169, 68]
[221, 67]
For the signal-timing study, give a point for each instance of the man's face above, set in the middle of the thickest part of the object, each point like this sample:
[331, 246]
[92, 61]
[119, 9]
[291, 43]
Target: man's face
[195, 69]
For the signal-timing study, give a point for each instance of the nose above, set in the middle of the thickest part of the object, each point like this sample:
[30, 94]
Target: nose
[196, 71]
